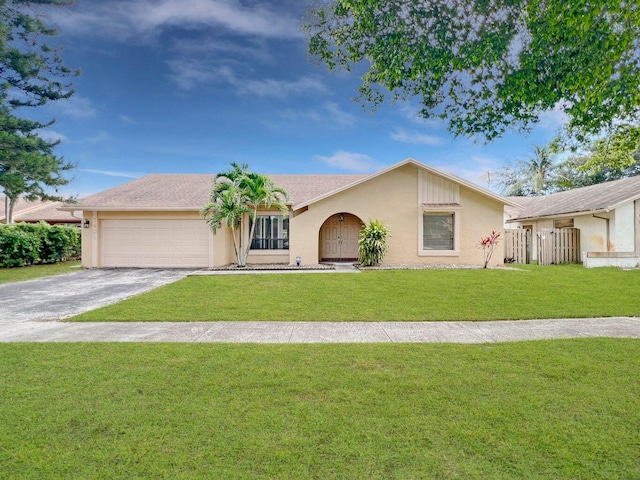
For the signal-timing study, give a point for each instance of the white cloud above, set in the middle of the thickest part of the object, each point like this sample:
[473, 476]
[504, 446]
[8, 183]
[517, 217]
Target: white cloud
[126, 119]
[401, 135]
[270, 87]
[355, 162]
[554, 118]
[113, 173]
[52, 136]
[479, 170]
[188, 73]
[329, 114]
[75, 107]
[142, 19]
[337, 115]
[101, 136]
[255, 49]
[411, 111]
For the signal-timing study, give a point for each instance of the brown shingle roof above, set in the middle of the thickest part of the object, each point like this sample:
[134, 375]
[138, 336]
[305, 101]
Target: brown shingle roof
[192, 191]
[34, 211]
[603, 196]
[156, 191]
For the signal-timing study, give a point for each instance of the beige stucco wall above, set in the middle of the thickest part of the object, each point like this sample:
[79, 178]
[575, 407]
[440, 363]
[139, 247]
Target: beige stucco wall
[593, 232]
[262, 257]
[394, 198]
[478, 217]
[624, 228]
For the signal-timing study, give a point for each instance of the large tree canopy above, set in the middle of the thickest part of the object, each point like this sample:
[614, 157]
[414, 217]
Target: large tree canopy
[28, 166]
[31, 74]
[486, 66]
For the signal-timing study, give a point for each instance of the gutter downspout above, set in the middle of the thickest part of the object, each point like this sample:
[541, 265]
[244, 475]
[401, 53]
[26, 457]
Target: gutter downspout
[607, 227]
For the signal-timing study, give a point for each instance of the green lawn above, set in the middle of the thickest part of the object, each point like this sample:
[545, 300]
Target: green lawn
[400, 295]
[19, 274]
[547, 409]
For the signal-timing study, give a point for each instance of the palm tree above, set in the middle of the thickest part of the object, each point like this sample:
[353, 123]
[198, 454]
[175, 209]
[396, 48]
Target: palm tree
[227, 206]
[238, 193]
[528, 177]
[539, 167]
[260, 191]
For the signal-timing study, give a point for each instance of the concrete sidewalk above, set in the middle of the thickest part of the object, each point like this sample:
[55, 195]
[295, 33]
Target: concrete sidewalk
[319, 332]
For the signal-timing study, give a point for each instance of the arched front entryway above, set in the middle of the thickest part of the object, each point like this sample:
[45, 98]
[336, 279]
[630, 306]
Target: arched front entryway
[339, 238]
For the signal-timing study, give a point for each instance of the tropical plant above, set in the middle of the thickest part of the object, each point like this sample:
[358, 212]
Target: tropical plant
[237, 194]
[531, 176]
[488, 245]
[372, 243]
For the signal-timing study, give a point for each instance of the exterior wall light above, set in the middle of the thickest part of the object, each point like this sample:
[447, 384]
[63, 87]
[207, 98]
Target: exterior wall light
[86, 223]
[298, 261]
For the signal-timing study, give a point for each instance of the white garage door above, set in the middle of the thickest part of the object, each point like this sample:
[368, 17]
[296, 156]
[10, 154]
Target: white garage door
[155, 243]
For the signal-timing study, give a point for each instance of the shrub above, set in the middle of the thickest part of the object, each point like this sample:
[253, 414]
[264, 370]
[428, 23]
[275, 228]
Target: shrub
[18, 247]
[61, 243]
[372, 244]
[488, 245]
[27, 244]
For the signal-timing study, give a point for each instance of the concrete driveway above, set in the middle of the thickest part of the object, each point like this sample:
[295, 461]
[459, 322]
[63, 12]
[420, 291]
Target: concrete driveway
[53, 298]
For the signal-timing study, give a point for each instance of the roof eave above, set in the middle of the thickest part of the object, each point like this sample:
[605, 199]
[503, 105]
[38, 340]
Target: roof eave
[557, 215]
[97, 208]
[622, 202]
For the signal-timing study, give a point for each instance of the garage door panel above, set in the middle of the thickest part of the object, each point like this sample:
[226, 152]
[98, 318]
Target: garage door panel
[154, 243]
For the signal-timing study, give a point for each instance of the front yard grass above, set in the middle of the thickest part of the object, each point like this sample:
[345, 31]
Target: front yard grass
[561, 409]
[19, 274]
[530, 292]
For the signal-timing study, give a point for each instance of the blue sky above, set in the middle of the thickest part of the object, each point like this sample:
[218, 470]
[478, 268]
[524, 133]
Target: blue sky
[188, 86]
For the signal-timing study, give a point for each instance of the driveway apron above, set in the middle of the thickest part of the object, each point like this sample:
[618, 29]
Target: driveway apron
[53, 298]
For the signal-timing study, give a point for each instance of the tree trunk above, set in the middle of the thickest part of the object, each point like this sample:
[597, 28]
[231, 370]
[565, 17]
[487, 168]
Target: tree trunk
[251, 230]
[9, 211]
[240, 256]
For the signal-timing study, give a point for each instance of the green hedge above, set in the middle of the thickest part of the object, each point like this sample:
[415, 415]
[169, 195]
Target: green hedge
[33, 243]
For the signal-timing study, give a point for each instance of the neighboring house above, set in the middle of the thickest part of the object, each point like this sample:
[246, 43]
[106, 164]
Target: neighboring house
[34, 211]
[154, 221]
[607, 215]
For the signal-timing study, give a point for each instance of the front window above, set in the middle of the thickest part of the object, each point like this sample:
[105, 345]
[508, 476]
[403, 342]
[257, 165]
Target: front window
[271, 233]
[438, 231]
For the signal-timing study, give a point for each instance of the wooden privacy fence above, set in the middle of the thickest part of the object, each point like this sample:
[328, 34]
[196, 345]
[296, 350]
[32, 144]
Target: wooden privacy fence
[517, 245]
[552, 246]
[558, 245]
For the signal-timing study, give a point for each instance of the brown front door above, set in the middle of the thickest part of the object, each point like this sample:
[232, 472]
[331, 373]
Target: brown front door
[339, 238]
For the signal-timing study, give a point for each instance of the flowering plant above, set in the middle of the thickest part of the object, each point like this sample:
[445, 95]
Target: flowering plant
[488, 245]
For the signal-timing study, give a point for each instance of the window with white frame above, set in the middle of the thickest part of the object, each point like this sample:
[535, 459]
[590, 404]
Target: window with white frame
[271, 233]
[438, 231]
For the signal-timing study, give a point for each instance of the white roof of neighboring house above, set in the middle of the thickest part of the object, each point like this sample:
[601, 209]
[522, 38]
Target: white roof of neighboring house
[188, 192]
[34, 211]
[579, 201]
